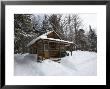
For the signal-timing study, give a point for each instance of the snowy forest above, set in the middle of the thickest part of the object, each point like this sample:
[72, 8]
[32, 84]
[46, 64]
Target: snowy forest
[69, 27]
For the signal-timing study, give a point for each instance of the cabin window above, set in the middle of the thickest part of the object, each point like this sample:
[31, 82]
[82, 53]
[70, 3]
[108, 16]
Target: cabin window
[45, 47]
[52, 45]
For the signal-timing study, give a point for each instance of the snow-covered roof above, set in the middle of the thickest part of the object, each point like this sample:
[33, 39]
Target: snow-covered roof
[58, 40]
[44, 36]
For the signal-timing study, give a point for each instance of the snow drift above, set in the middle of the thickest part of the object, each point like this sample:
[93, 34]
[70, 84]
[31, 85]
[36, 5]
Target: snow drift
[81, 63]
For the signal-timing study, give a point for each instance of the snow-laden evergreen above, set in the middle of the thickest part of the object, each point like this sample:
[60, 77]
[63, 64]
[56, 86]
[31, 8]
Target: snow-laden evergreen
[81, 63]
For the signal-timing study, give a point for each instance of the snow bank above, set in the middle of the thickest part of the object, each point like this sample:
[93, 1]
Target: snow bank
[83, 62]
[80, 63]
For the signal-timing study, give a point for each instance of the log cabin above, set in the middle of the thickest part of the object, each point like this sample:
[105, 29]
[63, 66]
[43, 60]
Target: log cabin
[49, 45]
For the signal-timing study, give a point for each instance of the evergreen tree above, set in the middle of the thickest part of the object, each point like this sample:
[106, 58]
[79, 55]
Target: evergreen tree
[23, 31]
[81, 40]
[92, 38]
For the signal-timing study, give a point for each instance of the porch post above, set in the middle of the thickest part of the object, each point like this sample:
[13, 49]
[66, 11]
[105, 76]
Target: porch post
[60, 50]
[48, 50]
[43, 50]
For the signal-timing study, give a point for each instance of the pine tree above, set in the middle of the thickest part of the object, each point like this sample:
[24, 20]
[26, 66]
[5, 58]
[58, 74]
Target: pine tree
[81, 40]
[92, 38]
[23, 31]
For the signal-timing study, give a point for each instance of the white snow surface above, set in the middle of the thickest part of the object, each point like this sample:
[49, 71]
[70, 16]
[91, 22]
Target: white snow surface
[81, 63]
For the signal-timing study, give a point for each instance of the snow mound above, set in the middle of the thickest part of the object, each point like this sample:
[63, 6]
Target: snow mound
[81, 63]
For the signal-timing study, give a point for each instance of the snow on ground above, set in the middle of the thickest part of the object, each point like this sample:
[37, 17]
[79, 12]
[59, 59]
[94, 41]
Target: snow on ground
[81, 63]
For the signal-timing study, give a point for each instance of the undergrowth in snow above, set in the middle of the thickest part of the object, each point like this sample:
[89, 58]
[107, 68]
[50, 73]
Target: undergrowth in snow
[81, 63]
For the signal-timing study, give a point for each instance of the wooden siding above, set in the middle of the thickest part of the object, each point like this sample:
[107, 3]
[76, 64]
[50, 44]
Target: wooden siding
[54, 53]
[46, 54]
[53, 35]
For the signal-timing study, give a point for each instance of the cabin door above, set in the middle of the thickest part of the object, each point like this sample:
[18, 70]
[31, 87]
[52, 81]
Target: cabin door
[46, 51]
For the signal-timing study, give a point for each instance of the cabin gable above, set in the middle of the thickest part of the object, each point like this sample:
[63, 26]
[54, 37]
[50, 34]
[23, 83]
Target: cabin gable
[53, 35]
